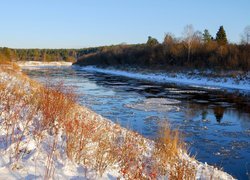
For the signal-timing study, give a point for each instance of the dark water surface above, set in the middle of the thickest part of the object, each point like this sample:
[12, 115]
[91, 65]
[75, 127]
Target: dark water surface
[215, 123]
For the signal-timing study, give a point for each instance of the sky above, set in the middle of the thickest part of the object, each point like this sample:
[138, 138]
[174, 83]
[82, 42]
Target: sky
[81, 23]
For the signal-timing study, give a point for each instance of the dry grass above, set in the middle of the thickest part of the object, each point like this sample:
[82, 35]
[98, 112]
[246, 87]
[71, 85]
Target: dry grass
[167, 148]
[132, 161]
[78, 134]
[182, 170]
[7, 65]
[55, 102]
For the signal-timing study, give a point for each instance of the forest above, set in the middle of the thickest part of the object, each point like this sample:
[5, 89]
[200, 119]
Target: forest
[45, 55]
[194, 50]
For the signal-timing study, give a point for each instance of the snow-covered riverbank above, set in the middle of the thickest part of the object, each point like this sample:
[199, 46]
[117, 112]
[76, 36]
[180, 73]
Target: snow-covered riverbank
[192, 79]
[195, 79]
[39, 63]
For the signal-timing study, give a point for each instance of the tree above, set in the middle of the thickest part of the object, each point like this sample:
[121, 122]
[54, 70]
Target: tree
[221, 36]
[152, 41]
[245, 38]
[169, 39]
[9, 54]
[189, 36]
[197, 37]
[206, 36]
[36, 55]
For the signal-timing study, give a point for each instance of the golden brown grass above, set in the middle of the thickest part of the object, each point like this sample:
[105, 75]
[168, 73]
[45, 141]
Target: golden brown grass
[8, 65]
[55, 103]
[168, 150]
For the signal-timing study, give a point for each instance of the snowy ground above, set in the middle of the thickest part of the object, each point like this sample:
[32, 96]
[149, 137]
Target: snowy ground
[39, 63]
[25, 154]
[190, 79]
[31, 159]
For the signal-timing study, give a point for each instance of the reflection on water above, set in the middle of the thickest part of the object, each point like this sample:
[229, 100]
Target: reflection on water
[218, 113]
[215, 124]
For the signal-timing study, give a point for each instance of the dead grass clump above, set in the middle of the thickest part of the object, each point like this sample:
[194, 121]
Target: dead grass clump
[167, 148]
[129, 149]
[56, 103]
[90, 144]
[167, 155]
[104, 154]
[183, 169]
[78, 134]
[8, 66]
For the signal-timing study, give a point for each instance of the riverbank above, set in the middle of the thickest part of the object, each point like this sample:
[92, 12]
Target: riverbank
[40, 63]
[202, 79]
[79, 142]
[205, 79]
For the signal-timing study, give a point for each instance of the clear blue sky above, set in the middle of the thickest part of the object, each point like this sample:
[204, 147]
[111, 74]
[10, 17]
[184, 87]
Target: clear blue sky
[80, 23]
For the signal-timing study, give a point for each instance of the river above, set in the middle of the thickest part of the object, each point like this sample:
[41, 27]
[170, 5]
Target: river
[215, 123]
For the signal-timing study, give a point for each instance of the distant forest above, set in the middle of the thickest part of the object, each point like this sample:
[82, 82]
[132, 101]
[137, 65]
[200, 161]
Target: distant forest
[194, 50]
[45, 55]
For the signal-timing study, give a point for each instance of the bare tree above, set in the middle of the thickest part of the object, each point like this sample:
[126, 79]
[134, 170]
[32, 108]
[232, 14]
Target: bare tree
[189, 36]
[245, 37]
[198, 36]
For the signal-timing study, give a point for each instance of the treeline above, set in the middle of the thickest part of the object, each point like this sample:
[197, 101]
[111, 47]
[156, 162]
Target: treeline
[193, 50]
[45, 54]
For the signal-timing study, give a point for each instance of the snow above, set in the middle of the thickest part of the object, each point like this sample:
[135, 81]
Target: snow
[182, 78]
[39, 63]
[155, 104]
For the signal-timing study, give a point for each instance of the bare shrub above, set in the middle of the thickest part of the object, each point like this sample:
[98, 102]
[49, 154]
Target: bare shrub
[55, 103]
[129, 148]
[104, 156]
[183, 169]
[78, 134]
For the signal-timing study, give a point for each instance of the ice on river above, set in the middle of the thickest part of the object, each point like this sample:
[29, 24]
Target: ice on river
[156, 104]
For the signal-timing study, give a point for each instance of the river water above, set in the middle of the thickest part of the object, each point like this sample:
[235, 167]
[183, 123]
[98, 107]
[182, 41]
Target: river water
[215, 123]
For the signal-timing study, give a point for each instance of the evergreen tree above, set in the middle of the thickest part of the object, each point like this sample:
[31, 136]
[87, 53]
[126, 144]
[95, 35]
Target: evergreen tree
[206, 36]
[221, 36]
[152, 41]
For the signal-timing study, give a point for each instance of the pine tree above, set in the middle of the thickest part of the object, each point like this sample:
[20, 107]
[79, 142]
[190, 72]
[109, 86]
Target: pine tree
[206, 36]
[152, 41]
[221, 36]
